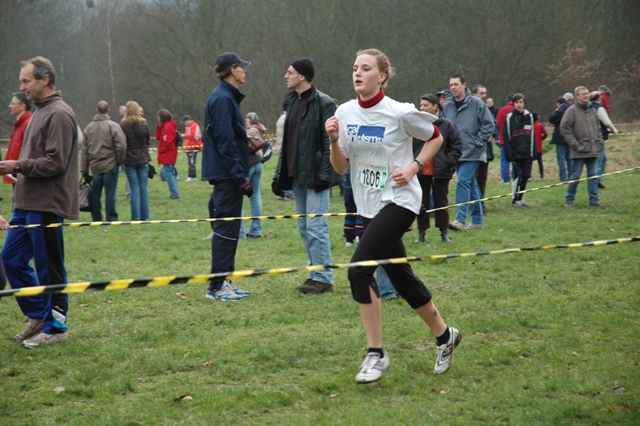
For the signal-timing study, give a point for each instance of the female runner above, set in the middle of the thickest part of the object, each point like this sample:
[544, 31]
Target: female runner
[373, 134]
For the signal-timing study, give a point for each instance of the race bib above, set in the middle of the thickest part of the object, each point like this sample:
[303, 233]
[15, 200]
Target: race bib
[372, 175]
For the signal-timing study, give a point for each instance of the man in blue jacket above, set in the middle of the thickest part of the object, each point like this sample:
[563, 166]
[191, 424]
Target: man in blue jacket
[475, 123]
[225, 164]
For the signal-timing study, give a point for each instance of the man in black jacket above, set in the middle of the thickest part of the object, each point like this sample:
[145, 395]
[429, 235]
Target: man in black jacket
[304, 166]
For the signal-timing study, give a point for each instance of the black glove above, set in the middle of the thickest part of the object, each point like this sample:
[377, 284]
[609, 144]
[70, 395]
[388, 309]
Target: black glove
[245, 188]
[321, 185]
[275, 189]
[87, 177]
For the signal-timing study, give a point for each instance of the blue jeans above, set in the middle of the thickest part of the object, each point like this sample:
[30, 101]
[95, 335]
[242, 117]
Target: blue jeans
[563, 155]
[314, 231]
[46, 247]
[602, 163]
[255, 179]
[109, 181]
[468, 190]
[387, 290]
[592, 184]
[225, 201]
[137, 176]
[169, 173]
[504, 166]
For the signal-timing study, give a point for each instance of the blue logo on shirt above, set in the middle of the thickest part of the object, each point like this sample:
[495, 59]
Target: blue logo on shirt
[364, 134]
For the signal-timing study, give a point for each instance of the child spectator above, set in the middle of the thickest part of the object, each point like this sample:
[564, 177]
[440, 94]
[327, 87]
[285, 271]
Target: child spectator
[541, 134]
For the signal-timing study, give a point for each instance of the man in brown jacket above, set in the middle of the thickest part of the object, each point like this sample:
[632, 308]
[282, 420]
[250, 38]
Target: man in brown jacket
[580, 128]
[46, 193]
[103, 150]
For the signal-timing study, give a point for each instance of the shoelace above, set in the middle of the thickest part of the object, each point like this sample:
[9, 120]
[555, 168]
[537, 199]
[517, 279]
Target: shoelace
[371, 361]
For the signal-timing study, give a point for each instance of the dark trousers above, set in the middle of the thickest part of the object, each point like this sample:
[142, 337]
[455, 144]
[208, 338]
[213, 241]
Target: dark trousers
[191, 160]
[440, 188]
[382, 239]
[523, 173]
[538, 158]
[481, 176]
[225, 201]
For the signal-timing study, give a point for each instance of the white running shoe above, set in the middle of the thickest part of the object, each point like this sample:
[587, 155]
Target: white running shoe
[45, 339]
[226, 294]
[232, 285]
[457, 226]
[373, 367]
[444, 352]
[33, 329]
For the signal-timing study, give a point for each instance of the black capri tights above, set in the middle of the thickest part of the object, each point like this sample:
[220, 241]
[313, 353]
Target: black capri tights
[382, 239]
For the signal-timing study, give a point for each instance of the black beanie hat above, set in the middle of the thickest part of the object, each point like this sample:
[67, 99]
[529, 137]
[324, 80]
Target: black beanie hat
[304, 67]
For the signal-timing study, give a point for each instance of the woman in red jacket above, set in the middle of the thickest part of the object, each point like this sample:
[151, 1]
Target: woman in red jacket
[167, 150]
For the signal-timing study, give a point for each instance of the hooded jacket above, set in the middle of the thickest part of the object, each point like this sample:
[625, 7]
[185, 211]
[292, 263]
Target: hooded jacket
[580, 128]
[104, 145]
[166, 137]
[475, 124]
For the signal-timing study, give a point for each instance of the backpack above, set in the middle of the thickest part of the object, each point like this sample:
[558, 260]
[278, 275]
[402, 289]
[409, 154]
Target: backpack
[178, 138]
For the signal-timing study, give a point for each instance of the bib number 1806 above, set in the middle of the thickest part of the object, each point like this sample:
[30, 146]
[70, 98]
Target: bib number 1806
[373, 178]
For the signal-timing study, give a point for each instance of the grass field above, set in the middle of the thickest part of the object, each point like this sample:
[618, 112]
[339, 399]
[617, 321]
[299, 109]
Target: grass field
[550, 337]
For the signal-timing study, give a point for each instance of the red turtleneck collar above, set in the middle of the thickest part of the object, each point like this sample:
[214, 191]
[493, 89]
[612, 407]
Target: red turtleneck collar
[373, 101]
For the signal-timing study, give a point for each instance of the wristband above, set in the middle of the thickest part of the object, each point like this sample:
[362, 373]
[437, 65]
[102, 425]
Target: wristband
[333, 140]
[420, 165]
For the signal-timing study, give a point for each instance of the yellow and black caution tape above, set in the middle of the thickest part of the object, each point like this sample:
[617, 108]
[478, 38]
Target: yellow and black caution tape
[234, 275]
[297, 216]
[159, 221]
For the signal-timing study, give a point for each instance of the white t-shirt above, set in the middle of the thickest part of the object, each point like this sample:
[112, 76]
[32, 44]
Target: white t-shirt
[378, 142]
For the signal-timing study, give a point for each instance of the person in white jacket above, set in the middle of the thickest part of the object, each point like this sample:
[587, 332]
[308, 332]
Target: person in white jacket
[607, 127]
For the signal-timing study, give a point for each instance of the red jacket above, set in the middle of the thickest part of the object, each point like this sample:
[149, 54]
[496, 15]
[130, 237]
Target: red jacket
[166, 136]
[501, 116]
[15, 142]
[541, 134]
[192, 138]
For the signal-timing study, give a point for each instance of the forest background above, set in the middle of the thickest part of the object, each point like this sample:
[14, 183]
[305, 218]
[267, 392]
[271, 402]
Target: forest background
[161, 52]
